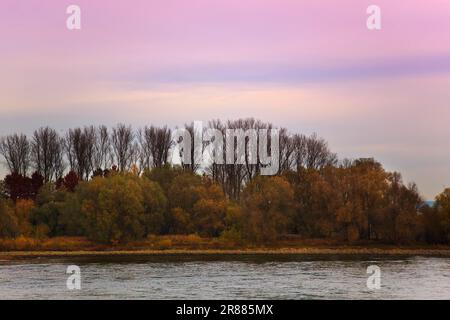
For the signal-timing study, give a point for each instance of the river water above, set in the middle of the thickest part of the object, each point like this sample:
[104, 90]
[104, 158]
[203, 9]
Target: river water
[229, 277]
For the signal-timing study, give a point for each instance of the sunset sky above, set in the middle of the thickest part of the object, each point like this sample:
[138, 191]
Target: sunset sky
[309, 65]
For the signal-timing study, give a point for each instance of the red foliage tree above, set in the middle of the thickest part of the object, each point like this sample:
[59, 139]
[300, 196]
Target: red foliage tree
[21, 187]
[37, 181]
[69, 182]
[14, 185]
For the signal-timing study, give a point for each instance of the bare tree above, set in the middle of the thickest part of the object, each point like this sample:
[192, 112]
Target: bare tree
[90, 148]
[16, 151]
[233, 176]
[59, 166]
[47, 153]
[300, 150]
[124, 149]
[80, 149]
[102, 154]
[312, 152]
[318, 153]
[217, 170]
[194, 162]
[155, 144]
[287, 150]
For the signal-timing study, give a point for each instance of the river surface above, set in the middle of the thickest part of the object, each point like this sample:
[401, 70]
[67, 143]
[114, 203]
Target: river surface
[231, 277]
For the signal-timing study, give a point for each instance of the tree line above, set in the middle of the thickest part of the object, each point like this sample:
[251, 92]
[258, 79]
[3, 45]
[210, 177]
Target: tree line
[90, 150]
[117, 185]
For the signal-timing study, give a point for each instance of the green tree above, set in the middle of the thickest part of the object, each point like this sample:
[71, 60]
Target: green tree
[72, 219]
[47, 209]
[114, 208]
[155, 206]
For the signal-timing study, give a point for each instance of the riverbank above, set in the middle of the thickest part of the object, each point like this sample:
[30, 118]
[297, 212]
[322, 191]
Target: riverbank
[20, 248]
[263, 251]
[356, 251]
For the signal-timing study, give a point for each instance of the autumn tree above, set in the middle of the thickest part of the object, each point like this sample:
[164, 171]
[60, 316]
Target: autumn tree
[18, 186]
[22, 212]
[437, 219]
[164, 175]
[184, 191]
[113, 207]
[268, 204]
[69, 182]
[197, 205]
[313, 195]
[9, 224]
[154, 218]
[234, 229]
[121, 207]
[399, 220]
[209, 211]
[369, 181]
[37, 181]
[317, 201]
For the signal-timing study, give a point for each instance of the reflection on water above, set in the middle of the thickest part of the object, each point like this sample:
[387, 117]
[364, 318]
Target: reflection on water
[231, 277]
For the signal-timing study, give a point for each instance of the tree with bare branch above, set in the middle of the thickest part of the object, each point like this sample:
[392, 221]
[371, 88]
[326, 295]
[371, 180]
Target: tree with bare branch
[47, 153]
[155, 144]
[80, 150]
[15, 149]
[124, 148]
[312, 152]
[102, 152]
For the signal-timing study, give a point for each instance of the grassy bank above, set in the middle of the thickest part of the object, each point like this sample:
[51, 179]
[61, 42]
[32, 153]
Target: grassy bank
[192, 244]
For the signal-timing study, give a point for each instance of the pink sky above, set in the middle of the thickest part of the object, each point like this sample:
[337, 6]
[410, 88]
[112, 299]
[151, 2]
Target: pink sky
[309, 65]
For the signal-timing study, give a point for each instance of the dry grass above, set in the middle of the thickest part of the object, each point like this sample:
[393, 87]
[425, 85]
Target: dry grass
[165, 242]
[52, 244]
